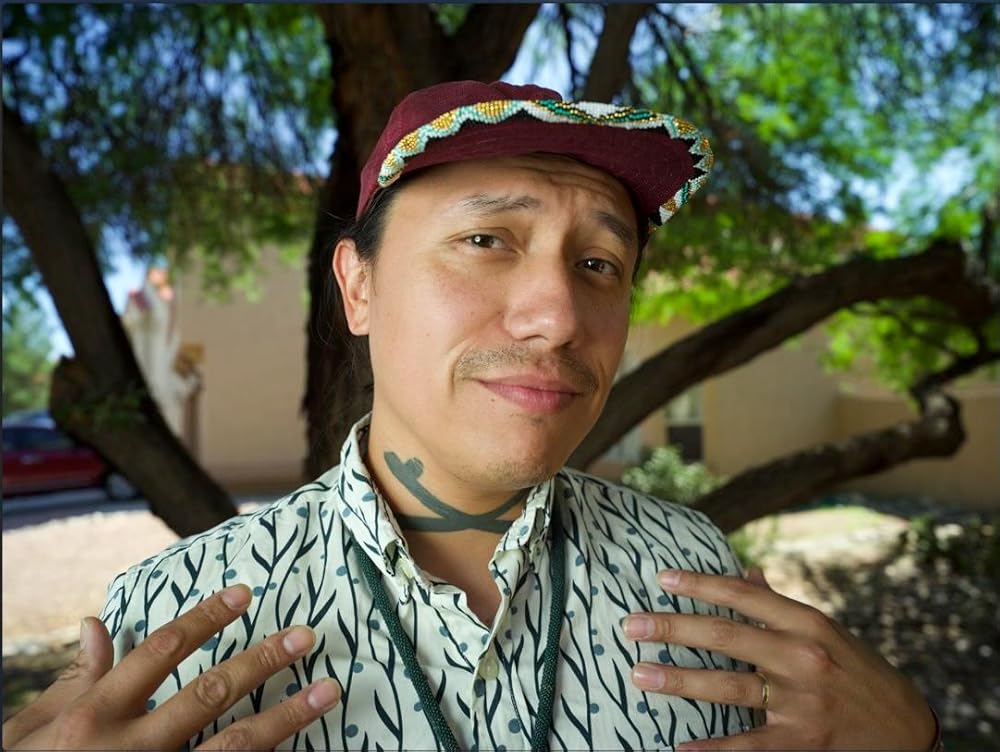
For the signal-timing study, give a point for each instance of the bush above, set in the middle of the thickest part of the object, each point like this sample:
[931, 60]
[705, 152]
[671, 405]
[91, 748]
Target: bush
[668, 477]
[971, 548]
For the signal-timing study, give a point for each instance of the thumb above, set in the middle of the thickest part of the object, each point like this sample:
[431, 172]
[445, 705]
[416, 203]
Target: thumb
[91, 663]
[96, 651]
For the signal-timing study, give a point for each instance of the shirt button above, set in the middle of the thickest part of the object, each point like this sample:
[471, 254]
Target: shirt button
[489, 668]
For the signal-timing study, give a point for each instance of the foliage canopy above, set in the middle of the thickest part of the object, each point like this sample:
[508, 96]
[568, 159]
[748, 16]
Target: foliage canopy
[179, 129]
[838, 130]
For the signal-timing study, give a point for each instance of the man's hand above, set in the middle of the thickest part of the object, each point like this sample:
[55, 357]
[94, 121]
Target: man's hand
[94, 706]
[827, 690]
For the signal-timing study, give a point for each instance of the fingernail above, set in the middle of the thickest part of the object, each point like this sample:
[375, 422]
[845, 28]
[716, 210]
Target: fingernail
[236, 597]
[323, 695]
[83, 636]
[670, 578]
[298, 641]
[646, 676]
[638, 627]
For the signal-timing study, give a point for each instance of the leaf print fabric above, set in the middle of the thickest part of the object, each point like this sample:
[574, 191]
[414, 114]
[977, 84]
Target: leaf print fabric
[297, 558]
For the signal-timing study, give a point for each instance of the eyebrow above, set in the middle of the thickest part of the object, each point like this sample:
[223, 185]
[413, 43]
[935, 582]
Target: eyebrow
[622, 230]
[486, 205]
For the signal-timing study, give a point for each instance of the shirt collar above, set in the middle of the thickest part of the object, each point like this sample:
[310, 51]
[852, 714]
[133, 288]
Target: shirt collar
[370, 519]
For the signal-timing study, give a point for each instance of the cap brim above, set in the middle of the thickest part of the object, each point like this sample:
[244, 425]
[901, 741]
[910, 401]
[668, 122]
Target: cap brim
[660, 159]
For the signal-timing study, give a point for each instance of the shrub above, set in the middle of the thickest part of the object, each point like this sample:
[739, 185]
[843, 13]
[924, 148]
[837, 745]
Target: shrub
[971, 548]
[667, 476]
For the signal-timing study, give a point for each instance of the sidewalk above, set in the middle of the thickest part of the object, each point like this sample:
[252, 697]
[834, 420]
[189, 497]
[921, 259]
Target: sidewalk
[57, 572]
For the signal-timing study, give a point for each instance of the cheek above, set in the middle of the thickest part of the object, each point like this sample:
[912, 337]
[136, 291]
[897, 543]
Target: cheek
[431, 315]
[608, 329]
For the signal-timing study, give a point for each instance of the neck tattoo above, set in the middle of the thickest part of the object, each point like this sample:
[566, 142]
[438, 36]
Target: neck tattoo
[448, 519]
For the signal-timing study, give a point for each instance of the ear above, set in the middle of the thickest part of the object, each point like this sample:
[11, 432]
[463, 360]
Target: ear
[354, 279]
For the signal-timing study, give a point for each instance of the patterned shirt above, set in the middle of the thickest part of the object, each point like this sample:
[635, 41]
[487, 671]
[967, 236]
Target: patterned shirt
[298, 557]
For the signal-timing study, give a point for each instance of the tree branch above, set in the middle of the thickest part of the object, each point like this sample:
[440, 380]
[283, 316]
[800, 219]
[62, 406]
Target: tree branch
[929, 384]
[907, 326]
[103, 379]
[488, 40]
[40, 204]
[796, 478]
[574, 72]
[940, 272]
[610, 67]
[692, 94]
[988, 232]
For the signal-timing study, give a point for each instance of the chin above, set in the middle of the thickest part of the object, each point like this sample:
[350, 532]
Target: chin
[522, 465]
[519, 474]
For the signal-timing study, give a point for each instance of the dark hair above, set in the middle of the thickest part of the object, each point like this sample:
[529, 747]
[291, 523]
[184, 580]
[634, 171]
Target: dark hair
[355, 368]
[368, 229]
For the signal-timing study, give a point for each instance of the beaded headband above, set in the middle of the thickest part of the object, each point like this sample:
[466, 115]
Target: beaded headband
[661, 159]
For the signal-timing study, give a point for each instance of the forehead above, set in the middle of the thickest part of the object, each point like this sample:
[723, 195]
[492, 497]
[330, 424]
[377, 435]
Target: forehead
[553, 171]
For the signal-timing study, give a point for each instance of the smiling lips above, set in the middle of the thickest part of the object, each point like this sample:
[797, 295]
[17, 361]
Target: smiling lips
[534, 393]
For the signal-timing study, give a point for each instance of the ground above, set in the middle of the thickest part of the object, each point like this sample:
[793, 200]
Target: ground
[935, 617]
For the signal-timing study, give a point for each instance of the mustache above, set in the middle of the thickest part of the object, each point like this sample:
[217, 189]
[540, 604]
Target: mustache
[479, 363]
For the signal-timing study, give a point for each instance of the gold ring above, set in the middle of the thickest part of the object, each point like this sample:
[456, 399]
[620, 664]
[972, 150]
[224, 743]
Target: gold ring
[765, 690]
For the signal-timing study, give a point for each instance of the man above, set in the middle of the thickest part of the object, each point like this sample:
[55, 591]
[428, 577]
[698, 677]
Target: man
[461, 589]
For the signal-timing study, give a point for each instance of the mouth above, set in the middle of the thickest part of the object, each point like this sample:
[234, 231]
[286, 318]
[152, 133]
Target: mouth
[534, 394]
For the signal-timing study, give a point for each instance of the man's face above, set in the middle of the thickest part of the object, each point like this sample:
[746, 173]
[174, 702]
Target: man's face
[497, 312]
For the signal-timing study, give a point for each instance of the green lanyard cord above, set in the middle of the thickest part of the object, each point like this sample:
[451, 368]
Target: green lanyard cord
[431, 708]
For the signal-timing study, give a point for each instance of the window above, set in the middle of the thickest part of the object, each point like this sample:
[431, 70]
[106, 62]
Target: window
[9, 440]
[685, 424]
[45, 439]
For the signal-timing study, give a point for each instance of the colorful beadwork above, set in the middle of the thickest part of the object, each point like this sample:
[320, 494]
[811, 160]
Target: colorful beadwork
[555, 111]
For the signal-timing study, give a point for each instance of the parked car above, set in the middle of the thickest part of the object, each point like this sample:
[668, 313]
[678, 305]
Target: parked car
[38, 457]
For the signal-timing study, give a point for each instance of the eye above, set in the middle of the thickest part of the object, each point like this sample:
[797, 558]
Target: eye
[601, 266]
[484, 240]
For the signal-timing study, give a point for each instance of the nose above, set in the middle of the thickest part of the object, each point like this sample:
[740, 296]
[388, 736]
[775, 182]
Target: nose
[543, 304]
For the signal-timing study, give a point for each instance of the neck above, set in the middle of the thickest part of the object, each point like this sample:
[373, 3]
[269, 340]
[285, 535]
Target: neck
[419, 508]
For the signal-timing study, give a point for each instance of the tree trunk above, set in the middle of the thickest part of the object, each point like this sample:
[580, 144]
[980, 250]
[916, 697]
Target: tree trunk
[374, 65]
[100, 395]
[610, 68]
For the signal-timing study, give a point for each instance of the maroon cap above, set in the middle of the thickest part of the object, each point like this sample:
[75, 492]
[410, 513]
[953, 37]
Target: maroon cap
[660, 159]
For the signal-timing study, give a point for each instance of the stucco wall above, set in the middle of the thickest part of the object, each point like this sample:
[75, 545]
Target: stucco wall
[779, 402]
[970, 478]
[251, 433]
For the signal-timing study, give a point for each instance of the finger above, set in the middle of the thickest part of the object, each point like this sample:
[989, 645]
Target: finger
[208, 696]
[273, 726]
[756, 577]
[748, 599]
[723, 687]
[737, 640]
[756, 739]
[140, 672]
[91, 663]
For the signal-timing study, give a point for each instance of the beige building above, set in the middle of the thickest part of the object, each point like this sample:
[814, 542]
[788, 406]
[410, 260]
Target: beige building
[249, 432]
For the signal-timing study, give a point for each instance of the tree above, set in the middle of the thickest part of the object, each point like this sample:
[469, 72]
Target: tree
[27, 356]
[772, 119]
[118, 122]
[810, 122]
[805, 122]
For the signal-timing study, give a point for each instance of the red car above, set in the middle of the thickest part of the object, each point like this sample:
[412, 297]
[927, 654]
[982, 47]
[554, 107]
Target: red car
[37, 458]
